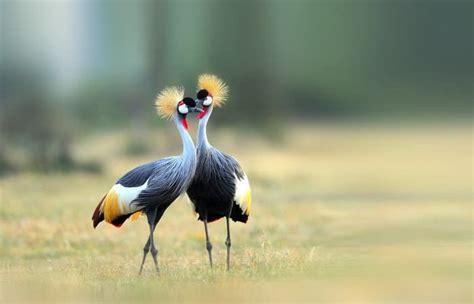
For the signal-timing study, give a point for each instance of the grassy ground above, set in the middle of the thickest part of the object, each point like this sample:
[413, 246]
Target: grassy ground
[340, 214]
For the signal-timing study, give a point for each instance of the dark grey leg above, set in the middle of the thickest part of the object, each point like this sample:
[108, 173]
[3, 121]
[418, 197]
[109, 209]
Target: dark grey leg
[154, 251]
[150, 244]
[208, 242]
[227, 243]
[145, 252]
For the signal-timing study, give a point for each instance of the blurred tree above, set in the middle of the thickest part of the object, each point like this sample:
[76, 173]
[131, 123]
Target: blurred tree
[243, 54]
[293, 59]
[29, 121]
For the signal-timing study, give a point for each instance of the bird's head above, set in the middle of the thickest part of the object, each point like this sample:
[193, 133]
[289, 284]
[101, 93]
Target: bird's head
[172, 103]
[212, 92]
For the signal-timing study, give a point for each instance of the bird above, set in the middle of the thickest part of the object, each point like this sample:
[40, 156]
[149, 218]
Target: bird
[151, 188]
[220, 188]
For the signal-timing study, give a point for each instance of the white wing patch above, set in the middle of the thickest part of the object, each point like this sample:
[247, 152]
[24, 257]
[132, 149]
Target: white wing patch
[243, 196]
[126, 195]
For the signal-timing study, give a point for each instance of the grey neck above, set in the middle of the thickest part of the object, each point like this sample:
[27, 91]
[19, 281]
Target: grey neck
[202, 142]
[189, 153]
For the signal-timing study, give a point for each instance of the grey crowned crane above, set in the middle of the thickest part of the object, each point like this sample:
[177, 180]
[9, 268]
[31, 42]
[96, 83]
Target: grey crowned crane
[152, 187]
[220, 187]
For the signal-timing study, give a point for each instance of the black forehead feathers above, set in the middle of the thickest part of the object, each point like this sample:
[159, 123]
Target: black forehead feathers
[189, 102]
[202, 94]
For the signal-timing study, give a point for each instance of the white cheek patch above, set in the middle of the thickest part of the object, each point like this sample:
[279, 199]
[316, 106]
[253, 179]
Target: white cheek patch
[207, 102]
[183, 109]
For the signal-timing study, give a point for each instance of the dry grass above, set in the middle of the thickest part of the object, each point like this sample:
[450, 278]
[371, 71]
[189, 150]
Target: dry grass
[340, 214]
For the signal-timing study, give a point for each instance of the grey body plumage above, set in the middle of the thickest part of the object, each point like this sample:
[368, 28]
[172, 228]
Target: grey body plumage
[171, 179]
[171, 176]
[153, 186]
[214, 186]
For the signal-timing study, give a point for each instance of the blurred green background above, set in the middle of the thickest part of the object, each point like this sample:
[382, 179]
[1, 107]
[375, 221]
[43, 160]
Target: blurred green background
[75, 67]
[352, 120]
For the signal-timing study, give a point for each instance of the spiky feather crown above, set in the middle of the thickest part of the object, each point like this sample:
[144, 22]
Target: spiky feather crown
[215, 86]
[167, 101]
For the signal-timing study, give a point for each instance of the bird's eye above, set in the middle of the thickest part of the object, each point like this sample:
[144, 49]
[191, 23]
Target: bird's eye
[207, 102]
[183, 109]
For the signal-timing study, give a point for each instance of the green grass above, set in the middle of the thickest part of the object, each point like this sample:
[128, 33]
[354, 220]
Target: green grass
[340, 214]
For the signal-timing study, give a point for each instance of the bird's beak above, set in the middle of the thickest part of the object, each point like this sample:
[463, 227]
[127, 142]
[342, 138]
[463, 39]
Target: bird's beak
[196, 109]
[198, 102]
[202, 110]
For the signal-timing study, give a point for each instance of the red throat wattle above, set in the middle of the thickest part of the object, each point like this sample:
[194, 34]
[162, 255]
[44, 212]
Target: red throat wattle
[185, 123]
[203, 113]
